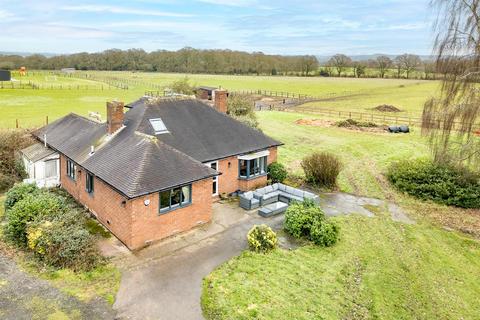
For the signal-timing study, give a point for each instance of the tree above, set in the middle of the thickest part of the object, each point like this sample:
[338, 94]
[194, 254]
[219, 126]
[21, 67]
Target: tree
[340, 62]
[408, 62]
[308, 63]
[383, 64]
[359, 69]
[450, 120]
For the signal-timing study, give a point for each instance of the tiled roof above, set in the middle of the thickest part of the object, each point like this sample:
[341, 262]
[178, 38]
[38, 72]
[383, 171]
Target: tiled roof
[136, 162]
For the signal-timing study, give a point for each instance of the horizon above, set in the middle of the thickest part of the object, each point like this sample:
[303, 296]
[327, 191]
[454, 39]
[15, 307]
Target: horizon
[286, 28]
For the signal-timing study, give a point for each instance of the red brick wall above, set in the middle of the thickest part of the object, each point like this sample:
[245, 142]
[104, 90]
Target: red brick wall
[228, 181]
[105, 203]
[134, 223]
[149, 225]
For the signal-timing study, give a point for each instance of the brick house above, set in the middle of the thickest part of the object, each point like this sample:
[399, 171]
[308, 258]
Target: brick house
[156, 169]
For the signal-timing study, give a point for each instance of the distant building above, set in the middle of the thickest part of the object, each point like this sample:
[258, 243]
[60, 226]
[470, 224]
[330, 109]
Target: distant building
[5, 75]
[68, 70]
[205, 93]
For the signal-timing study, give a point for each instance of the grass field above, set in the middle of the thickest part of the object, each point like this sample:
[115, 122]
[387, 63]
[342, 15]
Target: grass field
[380, 269]
[31, 107]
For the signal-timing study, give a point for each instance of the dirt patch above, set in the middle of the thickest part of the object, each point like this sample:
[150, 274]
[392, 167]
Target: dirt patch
[328, 123]
[387, 108]
[316, 122]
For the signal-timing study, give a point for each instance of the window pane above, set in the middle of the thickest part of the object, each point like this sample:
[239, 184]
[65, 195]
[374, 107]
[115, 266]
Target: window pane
[214, 189]
[243, 168]
[213, 165]
[263, 164]
[252, 167]
[186, 194]
[164, 200]
[50, 168]
[175, 199]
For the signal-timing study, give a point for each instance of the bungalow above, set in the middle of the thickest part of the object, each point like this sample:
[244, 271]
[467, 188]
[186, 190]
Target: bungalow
[156, 169]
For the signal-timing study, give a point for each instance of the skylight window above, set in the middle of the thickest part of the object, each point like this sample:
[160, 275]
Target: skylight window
[158, 126]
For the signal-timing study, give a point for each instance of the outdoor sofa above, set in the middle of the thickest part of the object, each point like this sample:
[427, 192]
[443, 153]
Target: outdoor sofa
[274, 193]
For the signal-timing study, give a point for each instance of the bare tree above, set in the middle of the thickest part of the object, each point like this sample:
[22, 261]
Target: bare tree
[451, 120]
[383, 64]
[408, 62]
[340, 62]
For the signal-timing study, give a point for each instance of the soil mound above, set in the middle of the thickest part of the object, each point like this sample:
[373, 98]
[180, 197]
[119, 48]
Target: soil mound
[386, 108]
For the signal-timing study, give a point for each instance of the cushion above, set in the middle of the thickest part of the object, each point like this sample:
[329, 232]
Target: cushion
[281, 187]
[275, 186]
[268, 189]
[254, 201]
[248, 195]
[300, 199]
[270, 195]
[257, 195]
[289, 189]
[298, 193]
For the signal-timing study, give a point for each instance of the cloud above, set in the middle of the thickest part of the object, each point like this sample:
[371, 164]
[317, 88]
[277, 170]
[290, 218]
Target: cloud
[122, 10]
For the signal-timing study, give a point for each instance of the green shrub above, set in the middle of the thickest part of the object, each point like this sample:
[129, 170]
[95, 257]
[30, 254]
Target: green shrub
[277, 172]
[322, 169]
[440, 183]
[308, 220]
[261, 238]
[324, 232]
[18, 192]
[63, 242]
[28, 209]
[300, 217]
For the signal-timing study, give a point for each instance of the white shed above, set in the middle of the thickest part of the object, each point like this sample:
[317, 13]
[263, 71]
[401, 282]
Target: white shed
[42, 165]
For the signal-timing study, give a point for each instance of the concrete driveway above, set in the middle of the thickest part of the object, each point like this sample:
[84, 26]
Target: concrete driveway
[165, 281]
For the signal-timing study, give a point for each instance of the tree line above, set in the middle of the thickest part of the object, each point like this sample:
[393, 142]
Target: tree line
[186, 60]
[402, 66]
[190, 60]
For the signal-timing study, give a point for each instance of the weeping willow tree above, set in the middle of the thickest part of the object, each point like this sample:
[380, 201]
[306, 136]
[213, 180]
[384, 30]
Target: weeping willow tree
[451, 120]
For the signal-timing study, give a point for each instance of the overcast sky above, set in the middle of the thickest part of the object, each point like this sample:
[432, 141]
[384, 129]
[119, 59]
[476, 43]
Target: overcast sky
[284, 27]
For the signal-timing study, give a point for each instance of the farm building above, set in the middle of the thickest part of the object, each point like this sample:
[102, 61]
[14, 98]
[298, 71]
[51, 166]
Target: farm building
[205, 93]
[156, 169]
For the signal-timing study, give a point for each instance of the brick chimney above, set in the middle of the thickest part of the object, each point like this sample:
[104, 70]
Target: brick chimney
[114, 116]
[220, 100]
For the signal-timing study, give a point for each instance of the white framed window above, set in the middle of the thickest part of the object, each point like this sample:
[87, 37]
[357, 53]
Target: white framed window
[158, 126]
[51, 168]
[214, 166]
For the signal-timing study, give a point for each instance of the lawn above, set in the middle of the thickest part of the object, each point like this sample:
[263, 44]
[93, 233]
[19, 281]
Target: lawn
[31, 107]
[380, 269]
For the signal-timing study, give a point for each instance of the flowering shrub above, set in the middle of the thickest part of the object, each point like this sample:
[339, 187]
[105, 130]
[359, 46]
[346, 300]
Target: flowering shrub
[261, 238]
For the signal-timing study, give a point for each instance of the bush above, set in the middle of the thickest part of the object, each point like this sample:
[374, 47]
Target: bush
[182, 86]
[322, 169]
[308, 220]
[300, 217]
[28, 209]
[18, 192]
[63, 242]
[444, 184]
[261, 238]
[324, 232]
[277, 172]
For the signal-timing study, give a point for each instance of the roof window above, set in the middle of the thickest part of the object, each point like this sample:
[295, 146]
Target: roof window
[158, 126]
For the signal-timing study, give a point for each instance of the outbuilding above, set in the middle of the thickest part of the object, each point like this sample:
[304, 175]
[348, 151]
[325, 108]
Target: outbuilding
[42, 165]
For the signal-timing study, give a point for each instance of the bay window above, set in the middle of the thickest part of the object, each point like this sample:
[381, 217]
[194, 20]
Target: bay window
[253, 167]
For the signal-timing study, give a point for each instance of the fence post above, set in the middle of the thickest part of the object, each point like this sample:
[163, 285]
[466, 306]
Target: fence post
[46, 120]
[16, 123]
